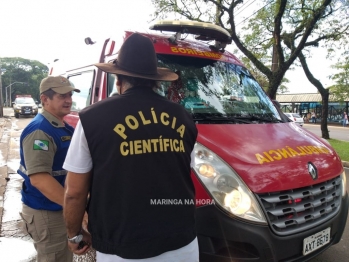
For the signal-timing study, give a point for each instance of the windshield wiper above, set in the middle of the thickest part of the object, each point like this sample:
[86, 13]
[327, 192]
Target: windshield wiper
[252, 117]
[218, 118]
[245, 119]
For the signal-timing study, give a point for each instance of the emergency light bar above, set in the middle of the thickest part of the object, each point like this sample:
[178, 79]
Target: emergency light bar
[203, 31]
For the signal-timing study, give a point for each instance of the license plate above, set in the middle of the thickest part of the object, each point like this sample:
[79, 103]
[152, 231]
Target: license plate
[314, 242]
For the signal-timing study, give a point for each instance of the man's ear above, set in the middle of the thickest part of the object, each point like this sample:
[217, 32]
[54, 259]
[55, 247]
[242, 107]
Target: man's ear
[118, 82]
[43, 99]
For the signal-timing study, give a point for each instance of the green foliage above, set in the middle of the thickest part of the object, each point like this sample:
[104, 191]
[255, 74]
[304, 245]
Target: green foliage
[341, 147]
[259, 76]
[31, 72]
[261, 79]
[341, 88]
[291, 27]
[185, 8]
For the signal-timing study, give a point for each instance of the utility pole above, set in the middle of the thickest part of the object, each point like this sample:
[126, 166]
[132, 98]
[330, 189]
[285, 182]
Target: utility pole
[10, 100]
[1, 102]
[6, 98]
[11, 89]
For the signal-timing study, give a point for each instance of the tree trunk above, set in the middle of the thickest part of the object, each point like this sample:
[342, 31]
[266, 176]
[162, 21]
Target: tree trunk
[324, 96]
[324, 130]
[274, 82]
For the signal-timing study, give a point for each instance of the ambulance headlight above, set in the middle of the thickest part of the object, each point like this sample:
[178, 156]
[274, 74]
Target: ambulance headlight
[206, 170]
[238, 201]
[344, 184]
[225, 186]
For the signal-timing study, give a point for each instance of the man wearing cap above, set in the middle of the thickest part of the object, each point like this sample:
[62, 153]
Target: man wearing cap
[43, 147]
[135, 164]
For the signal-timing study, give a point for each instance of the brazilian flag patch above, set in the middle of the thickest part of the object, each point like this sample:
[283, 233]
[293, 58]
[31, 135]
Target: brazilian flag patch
[40, 145]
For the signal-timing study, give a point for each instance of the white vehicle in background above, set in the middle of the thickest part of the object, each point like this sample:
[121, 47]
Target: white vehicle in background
[294, 117]
[24, 105]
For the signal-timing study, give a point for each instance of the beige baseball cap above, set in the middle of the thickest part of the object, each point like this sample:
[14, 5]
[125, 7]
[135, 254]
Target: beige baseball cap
[59, 84]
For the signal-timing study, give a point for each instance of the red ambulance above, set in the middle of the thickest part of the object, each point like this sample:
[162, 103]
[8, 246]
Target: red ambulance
[266, 189]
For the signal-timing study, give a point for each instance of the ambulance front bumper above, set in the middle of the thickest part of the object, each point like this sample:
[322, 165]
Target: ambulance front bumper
[223, 238]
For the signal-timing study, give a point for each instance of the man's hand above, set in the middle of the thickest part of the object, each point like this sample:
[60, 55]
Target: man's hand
[75, 200]
[84, 246]
[85, 222]
[48, 186]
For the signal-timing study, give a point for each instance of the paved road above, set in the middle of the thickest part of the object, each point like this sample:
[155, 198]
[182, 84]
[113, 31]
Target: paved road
[336, 131]
[14, 245]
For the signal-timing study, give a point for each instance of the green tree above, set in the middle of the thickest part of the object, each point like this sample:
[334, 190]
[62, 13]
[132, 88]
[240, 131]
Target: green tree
[258, 39]
[30, 72]
[341, 87]
[275, 36]
[330, 32]
[262, 79]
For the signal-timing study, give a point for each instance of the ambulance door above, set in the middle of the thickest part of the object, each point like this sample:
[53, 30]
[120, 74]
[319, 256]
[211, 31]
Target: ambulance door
[83, 80]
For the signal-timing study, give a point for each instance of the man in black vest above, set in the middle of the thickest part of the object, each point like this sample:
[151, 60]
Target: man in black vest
[135, 166]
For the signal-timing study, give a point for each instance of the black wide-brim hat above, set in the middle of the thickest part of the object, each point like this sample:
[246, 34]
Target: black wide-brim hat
[137, 58]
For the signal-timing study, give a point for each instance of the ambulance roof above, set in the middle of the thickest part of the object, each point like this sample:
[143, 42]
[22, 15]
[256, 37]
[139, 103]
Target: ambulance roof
[187, 47]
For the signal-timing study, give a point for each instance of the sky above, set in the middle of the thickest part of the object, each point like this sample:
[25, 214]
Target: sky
[46, 30]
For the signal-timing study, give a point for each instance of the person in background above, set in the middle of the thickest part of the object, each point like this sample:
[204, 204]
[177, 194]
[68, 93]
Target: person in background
[140, 155]
[313, 117]
[43, 146]
[344, 119]
[175, 92]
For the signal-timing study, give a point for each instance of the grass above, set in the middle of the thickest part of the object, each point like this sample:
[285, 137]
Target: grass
[341, 147]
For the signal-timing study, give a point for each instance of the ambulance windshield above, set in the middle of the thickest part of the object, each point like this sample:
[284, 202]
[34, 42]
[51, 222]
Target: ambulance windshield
[215, 91]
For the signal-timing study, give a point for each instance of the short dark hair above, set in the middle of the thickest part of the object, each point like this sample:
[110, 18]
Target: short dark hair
[135, 81]
[49, 93]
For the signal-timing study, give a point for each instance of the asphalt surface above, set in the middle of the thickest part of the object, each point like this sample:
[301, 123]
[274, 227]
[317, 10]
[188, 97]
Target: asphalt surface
[14, 245]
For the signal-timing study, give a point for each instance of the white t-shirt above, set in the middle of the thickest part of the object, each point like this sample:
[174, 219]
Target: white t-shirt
[78, 160]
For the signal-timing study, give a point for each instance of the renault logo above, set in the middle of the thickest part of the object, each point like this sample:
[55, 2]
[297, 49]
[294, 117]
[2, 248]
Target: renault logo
[312, 170]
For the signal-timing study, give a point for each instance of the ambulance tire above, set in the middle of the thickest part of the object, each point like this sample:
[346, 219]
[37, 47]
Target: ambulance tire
[16, 115]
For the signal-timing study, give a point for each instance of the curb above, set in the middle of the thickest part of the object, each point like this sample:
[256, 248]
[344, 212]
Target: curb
[345, 164]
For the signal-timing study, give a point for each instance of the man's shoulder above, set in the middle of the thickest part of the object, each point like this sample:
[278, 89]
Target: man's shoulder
[38, 123]
[99, 105]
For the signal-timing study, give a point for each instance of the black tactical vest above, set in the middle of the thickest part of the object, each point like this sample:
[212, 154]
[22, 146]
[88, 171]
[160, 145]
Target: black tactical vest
[142, 196]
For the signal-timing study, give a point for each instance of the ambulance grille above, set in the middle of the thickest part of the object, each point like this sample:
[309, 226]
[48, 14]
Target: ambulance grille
[292, 211]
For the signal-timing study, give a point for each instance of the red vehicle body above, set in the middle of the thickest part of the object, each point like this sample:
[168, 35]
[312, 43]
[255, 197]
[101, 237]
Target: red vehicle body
[266, 189]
